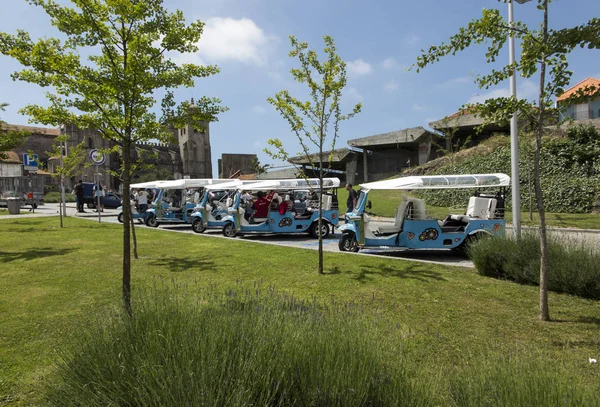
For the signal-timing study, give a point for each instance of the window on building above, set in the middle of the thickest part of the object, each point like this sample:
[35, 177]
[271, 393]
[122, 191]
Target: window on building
[90, 142]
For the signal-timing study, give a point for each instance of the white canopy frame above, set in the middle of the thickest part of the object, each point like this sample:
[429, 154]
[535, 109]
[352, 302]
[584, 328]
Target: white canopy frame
[442, 182]
[293, 183]
[189, 183]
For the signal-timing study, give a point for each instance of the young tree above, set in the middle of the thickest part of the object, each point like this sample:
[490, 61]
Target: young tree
[544, 51]
[9, 139]
[312, 121]
[72, 163]
[114, 88]
[257, 168]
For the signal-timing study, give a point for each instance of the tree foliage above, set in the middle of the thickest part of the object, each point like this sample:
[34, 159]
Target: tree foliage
[106, 72]
[543, 51]
[9, 139]
[317, 120]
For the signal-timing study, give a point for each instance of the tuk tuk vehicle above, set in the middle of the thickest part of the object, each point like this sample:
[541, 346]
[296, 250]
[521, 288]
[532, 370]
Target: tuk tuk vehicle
[135, 214]
[211, 211]
[280, 215]
[176, 200]
[413, 229]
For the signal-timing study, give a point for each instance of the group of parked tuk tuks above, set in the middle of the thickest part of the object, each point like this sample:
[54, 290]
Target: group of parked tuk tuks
[292, 206]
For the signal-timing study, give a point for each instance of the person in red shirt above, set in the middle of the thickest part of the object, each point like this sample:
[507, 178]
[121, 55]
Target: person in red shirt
[261, 205]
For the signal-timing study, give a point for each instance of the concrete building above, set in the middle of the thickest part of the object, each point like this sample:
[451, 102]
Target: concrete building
[377, 157]
[232, 164]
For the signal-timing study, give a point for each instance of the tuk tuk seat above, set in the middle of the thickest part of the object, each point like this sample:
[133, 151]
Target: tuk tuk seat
[398, 220]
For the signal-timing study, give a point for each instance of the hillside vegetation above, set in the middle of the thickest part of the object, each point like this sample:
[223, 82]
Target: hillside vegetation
[570, 169]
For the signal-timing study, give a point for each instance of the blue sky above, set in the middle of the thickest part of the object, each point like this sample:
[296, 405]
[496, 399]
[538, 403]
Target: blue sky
[248, 39]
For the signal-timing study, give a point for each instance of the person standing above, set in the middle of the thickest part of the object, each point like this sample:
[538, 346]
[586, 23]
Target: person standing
[99, 196]
[352, 196]
[142, 199]
[79, 195]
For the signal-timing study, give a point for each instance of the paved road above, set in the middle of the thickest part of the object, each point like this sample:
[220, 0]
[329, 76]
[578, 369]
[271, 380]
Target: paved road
[304, 241]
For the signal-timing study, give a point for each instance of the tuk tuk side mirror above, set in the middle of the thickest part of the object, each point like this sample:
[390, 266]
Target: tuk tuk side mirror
[369, 206]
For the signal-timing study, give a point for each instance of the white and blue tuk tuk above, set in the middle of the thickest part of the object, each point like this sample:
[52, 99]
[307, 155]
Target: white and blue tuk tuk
[413, 229]
[211, 211]
[281, 216]
[135, 214]
[176, 200]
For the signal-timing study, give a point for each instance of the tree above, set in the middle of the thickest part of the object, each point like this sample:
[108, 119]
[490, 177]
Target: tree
[72, 163]
[312, 121]
[257, 168]
[544, 51]
[9, 139]
[114, 89]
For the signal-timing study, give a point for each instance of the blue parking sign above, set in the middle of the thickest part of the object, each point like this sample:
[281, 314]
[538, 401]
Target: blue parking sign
[30, 162]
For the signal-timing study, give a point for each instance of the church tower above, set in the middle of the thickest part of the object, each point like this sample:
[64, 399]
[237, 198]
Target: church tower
[194, 147]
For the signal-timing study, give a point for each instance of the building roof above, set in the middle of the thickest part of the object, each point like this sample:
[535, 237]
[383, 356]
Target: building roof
[405, 136]
[586, 83]
[13, 158]
[32, 129]
[338, 155]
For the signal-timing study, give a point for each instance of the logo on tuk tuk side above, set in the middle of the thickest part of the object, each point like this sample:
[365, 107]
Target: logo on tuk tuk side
[285, 222]
[410, 235]
[428, 234]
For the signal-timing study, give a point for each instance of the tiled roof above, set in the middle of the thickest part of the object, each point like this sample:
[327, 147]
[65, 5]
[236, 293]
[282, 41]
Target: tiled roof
[589, 82]
[12, 158]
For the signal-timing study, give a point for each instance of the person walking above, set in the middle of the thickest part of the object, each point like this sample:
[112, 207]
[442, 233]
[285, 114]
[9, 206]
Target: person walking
[352, 196]
[79, 195]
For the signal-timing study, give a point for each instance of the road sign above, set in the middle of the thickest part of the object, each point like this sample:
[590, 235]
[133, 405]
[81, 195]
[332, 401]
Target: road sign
[30, 162]
[97, 157]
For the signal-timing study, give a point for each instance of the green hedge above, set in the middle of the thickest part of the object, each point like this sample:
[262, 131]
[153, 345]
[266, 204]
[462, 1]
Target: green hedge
[573, 267]
[54, 197]
[570, 170]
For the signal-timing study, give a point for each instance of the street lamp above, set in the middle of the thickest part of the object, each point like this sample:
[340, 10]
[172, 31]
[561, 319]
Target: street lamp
[514, 140]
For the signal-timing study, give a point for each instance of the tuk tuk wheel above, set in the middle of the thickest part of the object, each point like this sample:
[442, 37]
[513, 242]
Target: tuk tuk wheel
[91, 205]
[120, 217]
[151, 221]
[314, 229]
[348, 243]
[198, 226]
[229, 230]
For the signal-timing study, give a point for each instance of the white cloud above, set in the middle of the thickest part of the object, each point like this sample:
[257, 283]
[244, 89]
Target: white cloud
[359, 67]
[227, 39]
[526, 90]
[455, 82]
[259, 109]
[389, 63]
[353, 95]
[411, 39]
[420, 108]
[391, 86]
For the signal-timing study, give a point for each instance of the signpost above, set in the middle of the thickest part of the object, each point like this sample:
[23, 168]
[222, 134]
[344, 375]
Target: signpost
[30, 162]
[97, 158]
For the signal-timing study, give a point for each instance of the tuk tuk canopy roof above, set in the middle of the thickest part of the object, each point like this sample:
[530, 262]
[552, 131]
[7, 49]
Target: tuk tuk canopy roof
[293, 183]
[149, 184]
[231, 184]
[442, 182]
[189, 183]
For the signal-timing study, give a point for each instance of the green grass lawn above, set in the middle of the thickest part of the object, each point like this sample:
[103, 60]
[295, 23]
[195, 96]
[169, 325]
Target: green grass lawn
[446, 320]
[385, 202]
[24, 211]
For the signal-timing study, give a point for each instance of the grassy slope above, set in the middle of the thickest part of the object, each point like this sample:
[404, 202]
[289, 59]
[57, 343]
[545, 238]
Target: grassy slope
[51, 277]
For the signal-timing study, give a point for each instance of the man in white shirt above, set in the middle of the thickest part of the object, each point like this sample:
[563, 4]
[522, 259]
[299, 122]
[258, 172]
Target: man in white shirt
[142, 198]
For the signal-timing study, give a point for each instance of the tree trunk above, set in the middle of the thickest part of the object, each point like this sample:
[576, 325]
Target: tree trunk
[60, 200]
[126, 225]
[320, 206]
[135, 254]
[544, 311]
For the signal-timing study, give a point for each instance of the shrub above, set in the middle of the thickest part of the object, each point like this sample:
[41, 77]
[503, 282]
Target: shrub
[521, 379]
[237, 352]
[574, 268]
[54, 197]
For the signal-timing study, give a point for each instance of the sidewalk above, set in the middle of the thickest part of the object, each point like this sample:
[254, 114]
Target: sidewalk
[51, 209]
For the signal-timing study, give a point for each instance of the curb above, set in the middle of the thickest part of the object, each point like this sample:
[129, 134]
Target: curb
[554, 229]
